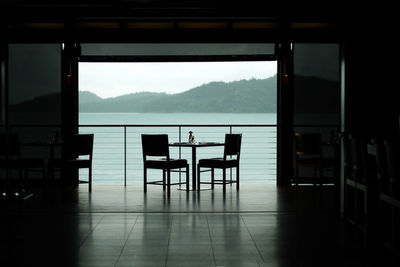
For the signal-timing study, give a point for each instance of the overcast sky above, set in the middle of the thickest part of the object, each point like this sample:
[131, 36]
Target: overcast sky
[34, 70]
[115, 79]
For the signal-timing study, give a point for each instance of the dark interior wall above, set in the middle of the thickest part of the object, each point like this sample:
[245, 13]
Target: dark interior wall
[2, 84]
[371, 85]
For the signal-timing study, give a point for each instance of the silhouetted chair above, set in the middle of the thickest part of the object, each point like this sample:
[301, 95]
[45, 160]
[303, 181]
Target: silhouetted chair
[308, 154]
[358, 158]
[388, 173]
[230, 160]
[156, 156]
[349, 184]
[10, 144]
[77, 153]
[392, 146]
[381, 166]
[347, 164]
[361, 167]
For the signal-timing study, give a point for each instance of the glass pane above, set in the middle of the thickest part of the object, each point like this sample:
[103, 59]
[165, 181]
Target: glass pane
[316, 84]
[35, 97]
[34, 83]
[317, 98]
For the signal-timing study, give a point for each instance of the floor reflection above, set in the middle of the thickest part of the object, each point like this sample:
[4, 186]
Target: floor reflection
[117, 226]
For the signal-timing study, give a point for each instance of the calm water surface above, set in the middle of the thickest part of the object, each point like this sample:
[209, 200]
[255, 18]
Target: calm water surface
[177, 118]
[116, 161]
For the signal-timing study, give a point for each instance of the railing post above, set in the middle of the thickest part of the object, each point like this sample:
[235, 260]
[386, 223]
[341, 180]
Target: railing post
[125, 156]
[230, 170]
[180, 154]
[180, 139]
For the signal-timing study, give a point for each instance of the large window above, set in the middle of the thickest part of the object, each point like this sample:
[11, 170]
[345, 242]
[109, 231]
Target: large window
[174, 96]
[317, 93]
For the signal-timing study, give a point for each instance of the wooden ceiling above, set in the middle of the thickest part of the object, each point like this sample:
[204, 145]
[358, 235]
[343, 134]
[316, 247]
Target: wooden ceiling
[155, 10]
[131, 19]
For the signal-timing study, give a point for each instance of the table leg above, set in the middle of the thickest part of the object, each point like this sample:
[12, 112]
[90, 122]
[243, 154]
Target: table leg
[194, 167]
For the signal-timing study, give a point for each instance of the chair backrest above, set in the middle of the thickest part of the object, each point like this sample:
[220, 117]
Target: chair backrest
[347, 164]
[79, 145]
[155, 145]
[359, 157]
[307, 144]
[381, 164]
[9, 144]
[233, 143]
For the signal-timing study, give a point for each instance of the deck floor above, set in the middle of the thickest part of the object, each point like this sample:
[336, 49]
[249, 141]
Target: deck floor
[122, 226]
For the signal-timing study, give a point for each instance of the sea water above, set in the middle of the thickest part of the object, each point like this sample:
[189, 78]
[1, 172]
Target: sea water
[117, 155]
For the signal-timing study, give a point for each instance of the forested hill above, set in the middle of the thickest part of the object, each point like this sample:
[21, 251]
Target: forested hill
[245, 96]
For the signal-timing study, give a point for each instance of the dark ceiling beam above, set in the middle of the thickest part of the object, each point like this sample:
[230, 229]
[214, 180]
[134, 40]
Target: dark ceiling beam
[26, 20]
[173, 35]
[156, 9]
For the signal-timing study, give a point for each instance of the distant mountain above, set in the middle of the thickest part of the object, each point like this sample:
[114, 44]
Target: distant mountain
[138, 102]
[311, 95]
[42, 103]
[245, 96]
[314, 94]
[88, 97]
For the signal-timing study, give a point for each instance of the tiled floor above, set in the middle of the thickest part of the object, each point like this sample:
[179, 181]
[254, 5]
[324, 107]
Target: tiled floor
[117, 226]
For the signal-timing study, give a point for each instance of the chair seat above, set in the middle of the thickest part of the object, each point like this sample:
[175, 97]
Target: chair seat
[23, 163]
[77, 163]
[26, 164]
[218, 163]
[311, 161]
[31, 163]
[12, 163]
[163, 164]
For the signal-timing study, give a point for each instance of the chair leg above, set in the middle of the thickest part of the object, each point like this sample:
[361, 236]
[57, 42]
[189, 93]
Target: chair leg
[163, 179]
[144, 179]
[224, 181]
[230, 177]
[44, 173]
[20, 176]
[187, 178]
[315, 176]
[90, 179]
[212, 178]
[198, 178]
[51, 172]
[48, 172]
[237, 178]
[321, 174]
[168, 182]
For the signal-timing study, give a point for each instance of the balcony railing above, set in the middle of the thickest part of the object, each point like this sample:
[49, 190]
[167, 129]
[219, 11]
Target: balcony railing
[117, 155]
[118, 151]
